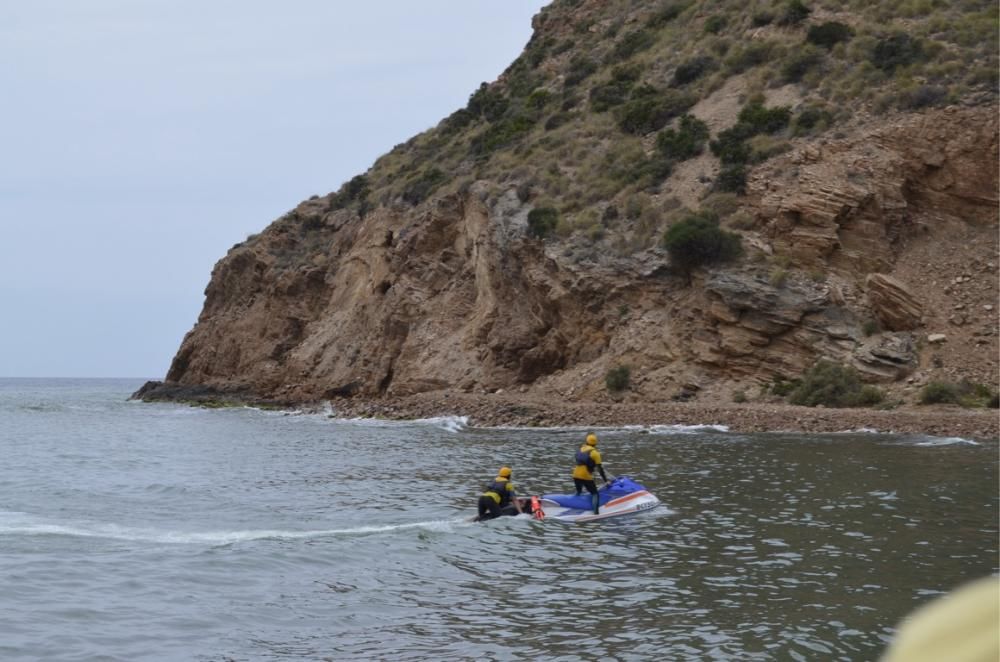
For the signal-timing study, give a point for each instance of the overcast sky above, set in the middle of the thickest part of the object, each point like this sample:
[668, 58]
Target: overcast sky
[140, 139]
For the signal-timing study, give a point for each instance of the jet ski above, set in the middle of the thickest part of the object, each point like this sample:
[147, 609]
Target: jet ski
[622, 496]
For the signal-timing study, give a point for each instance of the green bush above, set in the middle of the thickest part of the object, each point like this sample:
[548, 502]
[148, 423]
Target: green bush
[922, 96]
[783, 387]
[632, 43]
[355, 190]
[764, 120]
[580, 68]
[667, 13]
[939, 393]
[829, 34]
[697, 240]
[542, 221]
[539, 98]
[420, 188]
[761, 18]
[650, 109]
[731, 179]
[649, 172]
[739, 396]
[793, 13]
[693, 69]
[715, 24]
[488, 103]
[557, 120]
[897, 50]
[834, 385]
[502, 133]
[965, 393]
[752, 55]
[809, 119]
[615, 91]
[731, 145]
[617, 379]
[687, 142]
[799, 63]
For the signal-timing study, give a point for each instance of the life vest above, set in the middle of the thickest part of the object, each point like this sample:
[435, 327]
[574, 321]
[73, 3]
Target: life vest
[498, 491]
[583, 457]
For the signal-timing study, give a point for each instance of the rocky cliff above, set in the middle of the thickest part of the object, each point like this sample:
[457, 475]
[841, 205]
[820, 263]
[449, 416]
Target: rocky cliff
[872, 243]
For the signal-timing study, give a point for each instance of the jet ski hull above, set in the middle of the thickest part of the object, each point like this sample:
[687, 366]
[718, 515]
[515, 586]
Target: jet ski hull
[622, 496]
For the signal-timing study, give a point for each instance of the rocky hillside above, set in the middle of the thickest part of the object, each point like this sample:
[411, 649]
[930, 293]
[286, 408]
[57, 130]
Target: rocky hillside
[849, 149]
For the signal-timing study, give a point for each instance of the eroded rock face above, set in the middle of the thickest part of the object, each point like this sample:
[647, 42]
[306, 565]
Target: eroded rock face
[895, 305]
[887, 357]
[453, 295]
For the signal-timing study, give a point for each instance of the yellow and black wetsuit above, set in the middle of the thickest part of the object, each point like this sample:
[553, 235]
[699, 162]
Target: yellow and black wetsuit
[497, 495]
[587, 459]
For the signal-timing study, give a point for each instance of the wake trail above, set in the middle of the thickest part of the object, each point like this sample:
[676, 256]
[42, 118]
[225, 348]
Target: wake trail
[28, 527]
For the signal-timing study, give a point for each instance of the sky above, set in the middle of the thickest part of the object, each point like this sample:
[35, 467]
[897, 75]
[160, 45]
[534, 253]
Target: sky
[141, 139]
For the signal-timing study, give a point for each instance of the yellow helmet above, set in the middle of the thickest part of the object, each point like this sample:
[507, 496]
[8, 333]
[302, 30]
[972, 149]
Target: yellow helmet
[592, 439]
[504, 472]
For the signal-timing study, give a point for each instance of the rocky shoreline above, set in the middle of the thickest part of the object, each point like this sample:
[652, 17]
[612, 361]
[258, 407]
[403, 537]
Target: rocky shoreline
[509, 410]
[504, 411]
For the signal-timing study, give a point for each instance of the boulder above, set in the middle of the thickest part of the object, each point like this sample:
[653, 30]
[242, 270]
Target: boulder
[887, 357]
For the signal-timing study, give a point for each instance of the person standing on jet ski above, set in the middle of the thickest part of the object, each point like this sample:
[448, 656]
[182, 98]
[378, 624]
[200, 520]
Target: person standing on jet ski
[587, 458]
[499, 496]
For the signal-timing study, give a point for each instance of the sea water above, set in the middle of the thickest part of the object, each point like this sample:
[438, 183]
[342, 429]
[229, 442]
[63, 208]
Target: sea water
[132, 531]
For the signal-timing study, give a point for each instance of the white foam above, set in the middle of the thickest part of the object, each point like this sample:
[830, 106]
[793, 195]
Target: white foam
[945, 441]
[23, 525]
[448, 423]
[864, 430]
[683, 429]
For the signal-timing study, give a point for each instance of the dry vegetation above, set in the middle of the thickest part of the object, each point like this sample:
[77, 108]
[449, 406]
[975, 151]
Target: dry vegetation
[592, 119]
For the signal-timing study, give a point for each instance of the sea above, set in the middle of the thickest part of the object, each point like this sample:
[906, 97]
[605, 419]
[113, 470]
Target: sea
[135, 531]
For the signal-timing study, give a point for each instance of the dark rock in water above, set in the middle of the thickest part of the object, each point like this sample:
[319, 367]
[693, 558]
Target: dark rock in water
[198, 394]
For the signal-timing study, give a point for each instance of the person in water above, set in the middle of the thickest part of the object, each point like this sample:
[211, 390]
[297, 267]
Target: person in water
[587, 458]
[499, 496]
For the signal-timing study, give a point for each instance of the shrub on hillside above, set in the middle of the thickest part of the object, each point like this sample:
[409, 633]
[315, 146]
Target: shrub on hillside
[686, 142]
[693, 69]
[793, 13]
[829, 34]
[731, 145]
[811, 118]
[632, 43]
[922, 96]
[649, 172]
[714, 24]
[355, 190]
[732, 178]
[939, 393]
[965, 393]
[650, 109]
[501, 134]
[580, 68]
[615, 91]
[799, 63]
[617, 378]
[834, 385]
[487, 102]
[667, 13]
[539, 98]
[697, 240]
[420, 188]
[752, 55]
[764, 120]
[542, 221]
[897, 50]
